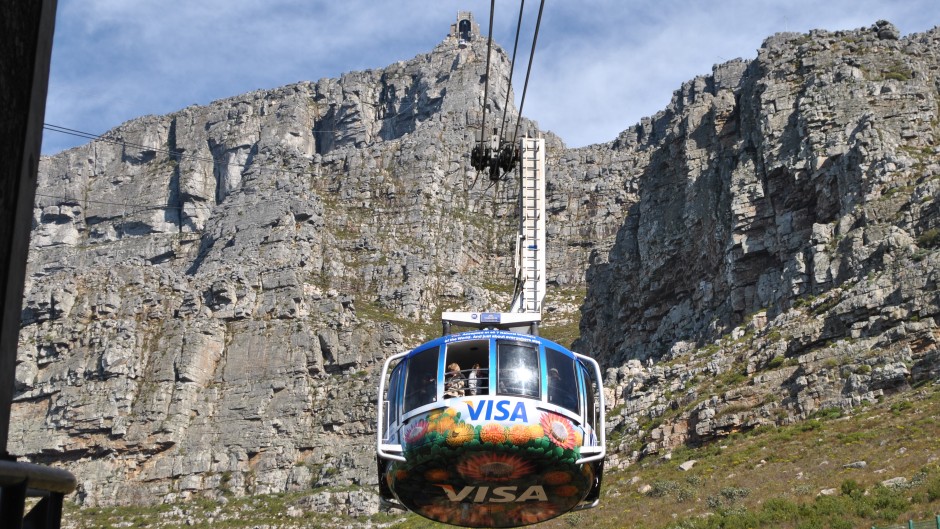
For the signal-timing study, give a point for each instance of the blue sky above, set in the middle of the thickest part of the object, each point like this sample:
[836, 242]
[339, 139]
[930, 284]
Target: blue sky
[600, 65]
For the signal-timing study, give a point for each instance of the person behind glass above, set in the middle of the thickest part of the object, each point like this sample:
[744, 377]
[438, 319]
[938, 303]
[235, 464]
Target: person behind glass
[554, 379]
[455, 383]
[474, 380]
[426, 392]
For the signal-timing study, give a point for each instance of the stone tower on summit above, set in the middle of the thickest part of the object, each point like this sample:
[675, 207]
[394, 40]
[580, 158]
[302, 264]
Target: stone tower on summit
[465, 29]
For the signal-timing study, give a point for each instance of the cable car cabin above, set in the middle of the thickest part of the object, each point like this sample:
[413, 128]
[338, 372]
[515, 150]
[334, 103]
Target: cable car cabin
[490, 428]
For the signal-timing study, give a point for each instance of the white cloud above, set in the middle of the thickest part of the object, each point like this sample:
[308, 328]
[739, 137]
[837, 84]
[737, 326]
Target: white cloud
[600, 65]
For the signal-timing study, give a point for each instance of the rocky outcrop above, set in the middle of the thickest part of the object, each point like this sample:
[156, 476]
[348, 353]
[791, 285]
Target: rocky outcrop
[210, 291]
[784, 238]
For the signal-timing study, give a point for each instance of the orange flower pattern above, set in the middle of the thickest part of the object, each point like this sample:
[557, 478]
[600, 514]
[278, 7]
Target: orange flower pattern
[494, 467]
[519, 434]
[461, 434]
[536, 431]
[493, 433]
[486, 473]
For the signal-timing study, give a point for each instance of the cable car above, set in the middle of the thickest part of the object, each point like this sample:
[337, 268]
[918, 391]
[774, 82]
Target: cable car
[491, 428]
[494, 426]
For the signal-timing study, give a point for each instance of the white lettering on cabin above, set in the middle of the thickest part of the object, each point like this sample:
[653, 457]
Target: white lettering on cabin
[497, 495]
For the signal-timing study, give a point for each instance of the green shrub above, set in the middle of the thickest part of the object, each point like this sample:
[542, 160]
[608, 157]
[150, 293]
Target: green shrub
[779, 510]
[775, 362]
[812, 424]
[663, 488]
[850, 487]
[929, 239]
[888, 504]
[734, 493]
[901, 406]
[933, 489]
[841, 523]
[897, 76]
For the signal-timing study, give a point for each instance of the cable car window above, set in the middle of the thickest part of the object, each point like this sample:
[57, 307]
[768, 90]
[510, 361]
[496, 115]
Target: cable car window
[393, 397]
[421, 382]
[518, 372]
[470, 360]
[590, 410]
[562, 380]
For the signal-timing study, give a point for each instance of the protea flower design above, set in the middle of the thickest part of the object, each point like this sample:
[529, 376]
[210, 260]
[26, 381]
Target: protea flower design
[416, 432]
[490, 467]
[558, 429]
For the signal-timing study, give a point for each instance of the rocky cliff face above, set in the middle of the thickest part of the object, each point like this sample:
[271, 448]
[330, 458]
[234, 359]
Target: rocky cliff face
[782, 256]
[211, 291]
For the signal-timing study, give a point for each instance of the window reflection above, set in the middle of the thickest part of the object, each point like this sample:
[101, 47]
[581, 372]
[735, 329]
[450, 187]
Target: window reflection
[518, 369]
[562, 380]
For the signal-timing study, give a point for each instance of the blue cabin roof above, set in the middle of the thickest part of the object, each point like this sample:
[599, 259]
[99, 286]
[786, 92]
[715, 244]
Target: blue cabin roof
[488, 334]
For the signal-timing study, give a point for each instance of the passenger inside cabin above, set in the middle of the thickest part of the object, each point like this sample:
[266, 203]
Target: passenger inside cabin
[455, 383]
[474, 380]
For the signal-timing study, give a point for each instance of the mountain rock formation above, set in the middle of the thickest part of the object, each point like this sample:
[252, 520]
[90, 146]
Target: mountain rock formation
[211, 291]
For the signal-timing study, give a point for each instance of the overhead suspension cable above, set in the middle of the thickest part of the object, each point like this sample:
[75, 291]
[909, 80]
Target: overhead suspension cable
[486, 77]
[525, 87]
[102, 138]
[512, 68]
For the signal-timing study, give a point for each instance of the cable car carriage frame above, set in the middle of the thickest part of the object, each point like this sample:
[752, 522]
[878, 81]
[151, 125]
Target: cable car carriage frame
[490, 428]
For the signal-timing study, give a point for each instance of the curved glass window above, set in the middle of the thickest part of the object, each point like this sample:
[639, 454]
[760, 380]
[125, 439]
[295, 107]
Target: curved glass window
[518, 369]
[393, 398]
[562, 380]
[589, 392]
[421, 381]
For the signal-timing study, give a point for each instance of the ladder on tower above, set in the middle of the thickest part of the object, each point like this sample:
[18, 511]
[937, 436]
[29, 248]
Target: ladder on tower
[530, 247]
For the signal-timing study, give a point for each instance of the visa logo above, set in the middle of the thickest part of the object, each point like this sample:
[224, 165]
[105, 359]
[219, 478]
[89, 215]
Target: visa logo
[496, 411]
[494, 495]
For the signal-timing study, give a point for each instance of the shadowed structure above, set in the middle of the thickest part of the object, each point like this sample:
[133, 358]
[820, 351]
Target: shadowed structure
[25, 44]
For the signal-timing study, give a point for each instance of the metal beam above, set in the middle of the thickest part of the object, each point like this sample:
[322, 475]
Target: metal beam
[26, 45]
